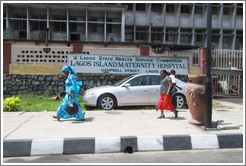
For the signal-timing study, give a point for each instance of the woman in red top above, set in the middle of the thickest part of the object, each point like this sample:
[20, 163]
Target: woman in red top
[165, 99]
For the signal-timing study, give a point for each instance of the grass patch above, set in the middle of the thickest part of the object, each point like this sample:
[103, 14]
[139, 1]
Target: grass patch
[38, 103]
[217, 105]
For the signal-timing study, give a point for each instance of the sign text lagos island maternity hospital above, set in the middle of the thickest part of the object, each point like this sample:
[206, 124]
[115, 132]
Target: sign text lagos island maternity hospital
[84, 63]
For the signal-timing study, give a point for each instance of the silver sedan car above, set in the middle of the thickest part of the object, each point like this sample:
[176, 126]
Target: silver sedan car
[134, 90]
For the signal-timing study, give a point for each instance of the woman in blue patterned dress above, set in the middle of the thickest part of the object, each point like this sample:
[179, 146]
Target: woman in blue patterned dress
[72, 90]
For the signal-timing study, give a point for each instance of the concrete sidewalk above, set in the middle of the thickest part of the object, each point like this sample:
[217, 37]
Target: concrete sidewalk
[37, 133]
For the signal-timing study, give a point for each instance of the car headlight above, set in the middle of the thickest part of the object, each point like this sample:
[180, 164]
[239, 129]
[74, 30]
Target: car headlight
[90, 93]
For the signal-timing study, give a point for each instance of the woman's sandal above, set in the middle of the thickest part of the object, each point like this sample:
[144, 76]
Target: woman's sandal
[56, 117]
[81, 119]
[176, 114]
[160, 117]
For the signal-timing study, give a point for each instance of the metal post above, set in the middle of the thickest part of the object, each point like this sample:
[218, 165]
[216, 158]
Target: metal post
[208, 86]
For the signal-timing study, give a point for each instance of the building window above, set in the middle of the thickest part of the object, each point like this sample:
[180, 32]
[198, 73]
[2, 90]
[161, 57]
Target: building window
[38, 16]
[19, 15]
[4, 12]
[215, 37]
[4, 24]
[239, 40]
[239, 11]
[38, 25]
[170, 8]
[140, 7]
[20, 25]
[215, 10]
[96, 28]
[185, 36]
[111, 28]
[226, 11]
[171, 35]
[130, 6]
[200, 35]
[195, 58]
[60, 26]
[198, 9]
[156, 7]
[227, 38]
[129, 32]
[77, 27]
[60, 17]
[185, 9]
[142, 34]
[157, 35]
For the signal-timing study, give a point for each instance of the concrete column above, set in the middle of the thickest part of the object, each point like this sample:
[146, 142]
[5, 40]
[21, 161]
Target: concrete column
[164, 23]
[7, 22]
[123, 20]
[234, 39]
[192, 24]
[86, 25]
[149, 15]
[221, 26]
[134, 22]
[234, 17]
[48, 22]
[27, 23]
[178, 15]
[68, 36]
[105, 26]
[7, 17]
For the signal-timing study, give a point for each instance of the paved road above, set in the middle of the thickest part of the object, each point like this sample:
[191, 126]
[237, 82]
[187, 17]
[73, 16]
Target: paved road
[191, 156]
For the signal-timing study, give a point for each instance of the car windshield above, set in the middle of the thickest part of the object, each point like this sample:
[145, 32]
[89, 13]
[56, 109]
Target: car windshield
[122, 81]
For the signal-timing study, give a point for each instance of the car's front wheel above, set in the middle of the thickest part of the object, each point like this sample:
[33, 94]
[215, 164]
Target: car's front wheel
[107, 102]
[181, 100]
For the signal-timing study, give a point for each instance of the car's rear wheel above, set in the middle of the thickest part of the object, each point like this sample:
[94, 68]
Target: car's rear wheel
[181, 100]
[107, 102]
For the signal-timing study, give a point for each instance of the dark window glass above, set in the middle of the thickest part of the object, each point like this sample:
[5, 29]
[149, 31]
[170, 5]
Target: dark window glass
[140, 7]
[185, 9]
[198, 10]
[226, 11]
[215, 10]
[139, 81]
[170, 8]
[156, 7]
[130, 6]
[155, 80]
[239, 11]
[60, 26]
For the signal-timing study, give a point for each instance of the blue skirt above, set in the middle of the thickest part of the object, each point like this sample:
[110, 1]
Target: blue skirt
[62, 113]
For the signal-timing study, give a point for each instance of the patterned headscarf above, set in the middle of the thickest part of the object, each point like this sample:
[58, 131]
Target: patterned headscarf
[69, 69]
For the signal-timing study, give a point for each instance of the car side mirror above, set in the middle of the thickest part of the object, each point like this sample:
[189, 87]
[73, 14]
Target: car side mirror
[127, 85]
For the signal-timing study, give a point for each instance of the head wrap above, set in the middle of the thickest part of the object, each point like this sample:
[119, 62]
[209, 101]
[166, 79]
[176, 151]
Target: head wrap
[69, 69]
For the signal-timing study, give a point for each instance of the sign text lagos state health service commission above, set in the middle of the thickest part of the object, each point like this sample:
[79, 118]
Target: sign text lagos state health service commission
[84, 63]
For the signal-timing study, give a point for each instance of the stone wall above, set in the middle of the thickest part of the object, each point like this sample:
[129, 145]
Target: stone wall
[51, 84]
[14, 84]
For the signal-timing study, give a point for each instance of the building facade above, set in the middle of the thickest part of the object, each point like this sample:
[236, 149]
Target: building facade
[181, 24]
[38, 37]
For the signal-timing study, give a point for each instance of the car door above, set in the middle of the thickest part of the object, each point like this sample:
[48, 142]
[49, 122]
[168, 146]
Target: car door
[155, 83]
[137, 93]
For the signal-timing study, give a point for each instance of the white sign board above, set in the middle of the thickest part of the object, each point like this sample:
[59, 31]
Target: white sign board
[84, 63]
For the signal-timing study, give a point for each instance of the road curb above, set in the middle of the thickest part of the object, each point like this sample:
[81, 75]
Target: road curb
[85, 145]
